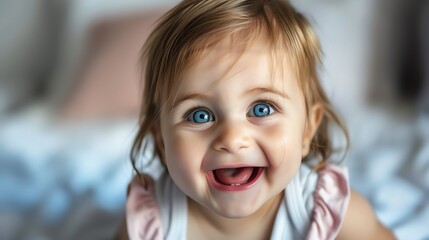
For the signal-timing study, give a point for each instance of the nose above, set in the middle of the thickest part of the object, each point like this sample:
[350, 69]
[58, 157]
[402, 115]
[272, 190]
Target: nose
[232, 137]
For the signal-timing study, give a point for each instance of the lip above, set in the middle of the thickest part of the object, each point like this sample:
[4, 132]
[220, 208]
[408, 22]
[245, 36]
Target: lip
[238, 165]
[229, 188]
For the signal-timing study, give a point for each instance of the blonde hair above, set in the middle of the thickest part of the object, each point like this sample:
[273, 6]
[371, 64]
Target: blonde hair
[195, 25]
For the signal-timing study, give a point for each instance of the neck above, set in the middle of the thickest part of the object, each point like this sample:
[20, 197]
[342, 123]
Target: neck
[210, 225]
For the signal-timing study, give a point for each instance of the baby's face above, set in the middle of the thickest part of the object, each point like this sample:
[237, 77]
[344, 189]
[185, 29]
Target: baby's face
[234, 138]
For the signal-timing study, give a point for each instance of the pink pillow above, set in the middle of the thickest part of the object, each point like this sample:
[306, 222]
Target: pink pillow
[109, 83]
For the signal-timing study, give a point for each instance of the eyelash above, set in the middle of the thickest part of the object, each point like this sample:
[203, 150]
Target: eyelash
[191, 110]
[265, 101]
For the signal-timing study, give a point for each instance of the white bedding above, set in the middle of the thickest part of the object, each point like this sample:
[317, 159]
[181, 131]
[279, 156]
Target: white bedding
[389, 164]
[59, 180]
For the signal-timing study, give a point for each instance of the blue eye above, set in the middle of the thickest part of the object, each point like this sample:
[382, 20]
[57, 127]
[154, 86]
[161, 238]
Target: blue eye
[200, 116]
[261, 110]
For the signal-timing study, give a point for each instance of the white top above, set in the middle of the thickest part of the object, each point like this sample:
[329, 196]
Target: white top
[292, 220]
[313, 206]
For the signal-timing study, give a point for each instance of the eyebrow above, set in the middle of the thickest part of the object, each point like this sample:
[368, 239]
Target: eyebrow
[261, 90]
[187, 97]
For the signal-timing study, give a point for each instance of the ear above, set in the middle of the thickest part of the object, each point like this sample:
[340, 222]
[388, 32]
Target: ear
[315, 116]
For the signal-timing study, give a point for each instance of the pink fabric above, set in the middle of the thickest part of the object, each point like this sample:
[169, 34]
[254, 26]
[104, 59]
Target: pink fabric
[143, 218]
[331, 198]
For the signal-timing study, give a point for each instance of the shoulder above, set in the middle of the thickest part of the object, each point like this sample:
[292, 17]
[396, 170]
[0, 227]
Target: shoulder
[340, 210]
[142, 212]
[325, 185]
[330, 198]
[316, 201]
[153, 206]
[360, 221]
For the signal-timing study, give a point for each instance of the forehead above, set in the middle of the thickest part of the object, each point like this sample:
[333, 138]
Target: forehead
[258, 63]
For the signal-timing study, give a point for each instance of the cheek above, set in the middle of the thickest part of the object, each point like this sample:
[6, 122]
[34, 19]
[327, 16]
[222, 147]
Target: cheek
[182, 156]
[283, 147]
[284, 139]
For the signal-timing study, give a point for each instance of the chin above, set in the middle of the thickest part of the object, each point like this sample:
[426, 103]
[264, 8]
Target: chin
[235, 211]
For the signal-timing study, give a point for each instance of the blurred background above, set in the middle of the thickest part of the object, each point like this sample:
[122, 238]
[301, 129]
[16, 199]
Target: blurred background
[69, 99]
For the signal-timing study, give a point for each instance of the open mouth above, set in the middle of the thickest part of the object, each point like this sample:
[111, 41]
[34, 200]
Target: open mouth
[235, 179]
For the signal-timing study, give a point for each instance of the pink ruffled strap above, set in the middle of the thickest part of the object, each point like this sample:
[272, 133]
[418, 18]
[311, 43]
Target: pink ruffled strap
[143, 218]
[331, 198]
